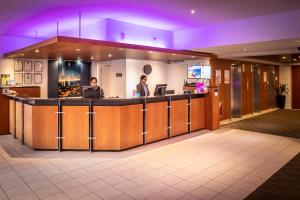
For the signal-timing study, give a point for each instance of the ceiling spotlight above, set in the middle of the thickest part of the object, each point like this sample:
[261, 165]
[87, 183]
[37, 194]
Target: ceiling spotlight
[77, 49]
[283, 57]
[37, 51]
[245, 49]
[192, 11]
[109, 55]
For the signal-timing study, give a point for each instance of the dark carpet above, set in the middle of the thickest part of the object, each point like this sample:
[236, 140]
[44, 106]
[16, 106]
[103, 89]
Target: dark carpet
[283, 185]
[280, 122]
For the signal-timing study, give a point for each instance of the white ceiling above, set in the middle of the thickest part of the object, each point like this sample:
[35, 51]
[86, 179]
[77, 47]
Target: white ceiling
[165, 14]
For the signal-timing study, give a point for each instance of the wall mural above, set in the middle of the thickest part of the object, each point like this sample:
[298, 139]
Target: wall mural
[69, 79]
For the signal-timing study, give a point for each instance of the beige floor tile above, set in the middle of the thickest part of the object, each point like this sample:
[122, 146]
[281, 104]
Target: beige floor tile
[78, 192]
[108, 193]
[97, 185]
[235, 193]
[204, 193]
[172, 193]
[215, 186]
[186, 186]
[170, 180]
[15, 191]
[26, 196]
[47, 192]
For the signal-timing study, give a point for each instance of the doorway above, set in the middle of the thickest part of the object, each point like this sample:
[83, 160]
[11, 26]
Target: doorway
[256, 96]
[236, 91]
[295, 87]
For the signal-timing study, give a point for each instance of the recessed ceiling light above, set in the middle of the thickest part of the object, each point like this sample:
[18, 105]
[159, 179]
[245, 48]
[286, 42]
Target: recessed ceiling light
[109, 55]
[192, 11]
[77, 49]
[283, 57]
[37, 51]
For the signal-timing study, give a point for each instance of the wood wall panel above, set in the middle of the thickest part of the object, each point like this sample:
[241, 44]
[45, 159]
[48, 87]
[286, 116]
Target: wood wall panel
[156, 121]
[295, 87]
[131, 121]
[179, 117]
[247, 89]
[264, 92]
[28, 130]
[75, 127]
[12, 116]
[107, 128]
[224, 89]
[19, 120]
[197, 114]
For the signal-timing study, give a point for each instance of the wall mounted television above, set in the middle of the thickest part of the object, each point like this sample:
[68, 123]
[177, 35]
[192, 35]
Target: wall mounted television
[199, 72]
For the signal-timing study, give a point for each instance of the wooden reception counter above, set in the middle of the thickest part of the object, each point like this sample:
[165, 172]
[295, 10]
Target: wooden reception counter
[110, 124]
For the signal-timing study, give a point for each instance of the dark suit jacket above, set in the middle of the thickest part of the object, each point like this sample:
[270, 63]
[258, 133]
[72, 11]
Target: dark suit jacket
[140, 89]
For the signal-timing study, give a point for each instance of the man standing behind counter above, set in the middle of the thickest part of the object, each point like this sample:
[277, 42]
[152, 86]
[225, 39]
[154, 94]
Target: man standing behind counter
[142, 87]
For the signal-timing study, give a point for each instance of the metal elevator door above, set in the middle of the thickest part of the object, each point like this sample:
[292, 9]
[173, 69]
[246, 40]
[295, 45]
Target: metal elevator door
[272, 100]
[236, 91]
[257, 80]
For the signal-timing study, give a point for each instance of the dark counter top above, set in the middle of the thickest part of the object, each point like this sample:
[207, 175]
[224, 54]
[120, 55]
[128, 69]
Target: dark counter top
[102, 102]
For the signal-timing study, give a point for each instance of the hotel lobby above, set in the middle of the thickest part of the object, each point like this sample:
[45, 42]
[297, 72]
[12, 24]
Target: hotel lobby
[149, 100]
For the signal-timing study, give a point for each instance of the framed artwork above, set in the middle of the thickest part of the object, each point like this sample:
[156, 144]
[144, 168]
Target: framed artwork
[38, 66]
[38, 78]
[226, 77]
[218, 79]
[18, 66]
[18, 78]
[27, 78]
[27, 66]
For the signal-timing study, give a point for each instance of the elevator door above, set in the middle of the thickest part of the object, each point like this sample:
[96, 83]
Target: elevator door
[272, 100]
[257, 80]
[236, 91]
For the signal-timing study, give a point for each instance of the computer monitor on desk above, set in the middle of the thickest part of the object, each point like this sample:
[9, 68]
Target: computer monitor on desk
[160, 90]
[91, 92]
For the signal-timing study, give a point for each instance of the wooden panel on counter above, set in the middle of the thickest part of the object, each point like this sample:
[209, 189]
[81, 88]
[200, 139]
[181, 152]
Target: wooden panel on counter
[197, 114]
[107, 128]
[179, 117]
[118, 127]
[41, 135]
[12, 108]
[75, 127]
[131, 126]
[4, 114]
[19, 120]
[156, 121]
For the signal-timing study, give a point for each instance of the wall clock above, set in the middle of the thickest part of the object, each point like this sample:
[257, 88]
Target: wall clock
[147, 69]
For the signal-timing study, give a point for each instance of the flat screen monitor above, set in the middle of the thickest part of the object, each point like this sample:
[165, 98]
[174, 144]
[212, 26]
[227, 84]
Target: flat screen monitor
[160, 90]
[194, 72]
[199, 72]
[91, 92]
[206, 72]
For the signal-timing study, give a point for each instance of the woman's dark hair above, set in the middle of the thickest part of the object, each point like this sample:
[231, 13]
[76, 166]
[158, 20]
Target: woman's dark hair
[143, 76]
[93, 78]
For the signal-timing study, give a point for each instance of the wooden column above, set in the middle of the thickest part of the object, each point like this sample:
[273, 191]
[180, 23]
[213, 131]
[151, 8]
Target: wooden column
[212, 115]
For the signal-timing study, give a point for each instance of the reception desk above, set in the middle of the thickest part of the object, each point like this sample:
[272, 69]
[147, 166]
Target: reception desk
[109, 124]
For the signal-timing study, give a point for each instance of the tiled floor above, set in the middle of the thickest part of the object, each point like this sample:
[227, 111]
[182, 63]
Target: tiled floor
[225, 164]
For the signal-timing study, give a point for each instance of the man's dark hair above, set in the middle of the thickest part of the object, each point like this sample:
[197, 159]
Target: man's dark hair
[93, 78]
[143, 76]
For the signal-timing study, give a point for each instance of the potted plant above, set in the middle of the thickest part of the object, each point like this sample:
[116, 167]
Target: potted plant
[283, 90]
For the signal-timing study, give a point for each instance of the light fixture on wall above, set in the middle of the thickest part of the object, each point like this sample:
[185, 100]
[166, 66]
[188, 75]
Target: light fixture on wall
[245, 49]
[193, 11]
[109, 55]
[37, 51]
[77, 49]
[92, 57]
[59, 60]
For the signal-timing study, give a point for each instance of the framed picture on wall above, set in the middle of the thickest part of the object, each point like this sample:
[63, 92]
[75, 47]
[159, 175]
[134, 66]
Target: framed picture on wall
[18, 78]
[27, 78]
[27, 66]
[18, 67]
[226, 77]
[218, 79]
[38, 78]
[38, 66]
